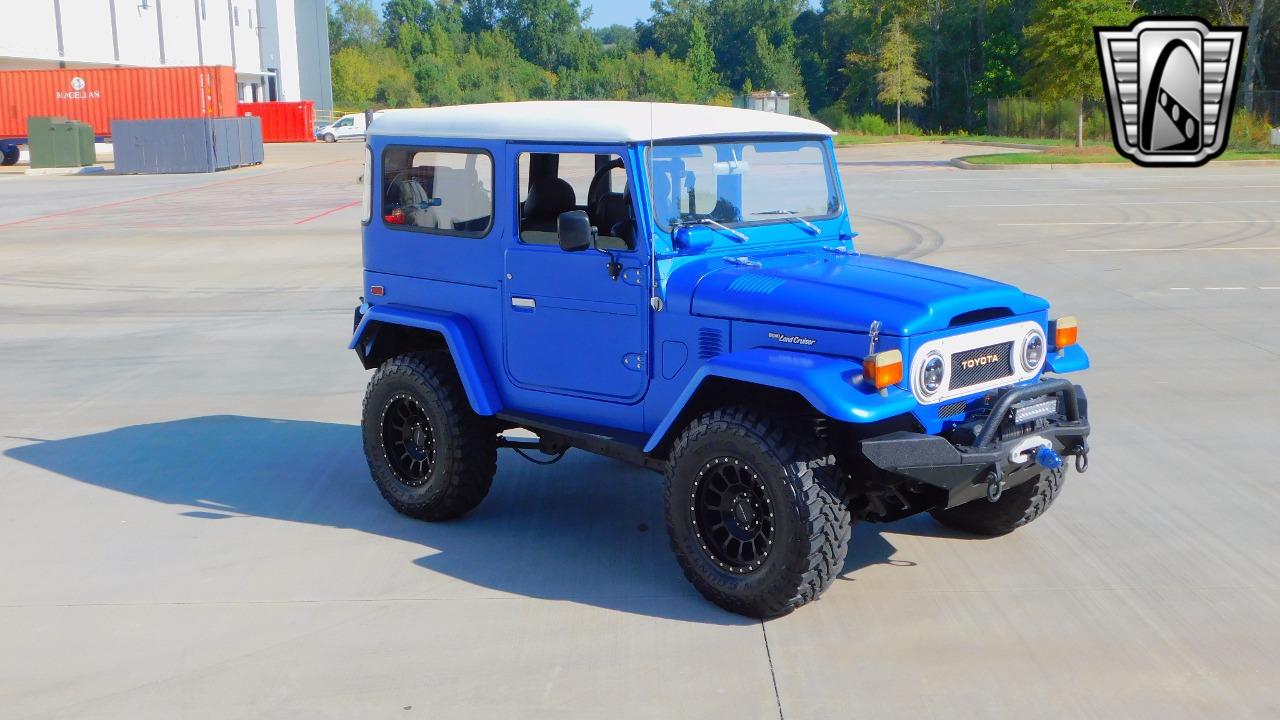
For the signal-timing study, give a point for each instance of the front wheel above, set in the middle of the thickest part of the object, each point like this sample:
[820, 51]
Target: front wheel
[1015, 508]
[329, 137]
[9, 154]
[431, 456]
[756, 512]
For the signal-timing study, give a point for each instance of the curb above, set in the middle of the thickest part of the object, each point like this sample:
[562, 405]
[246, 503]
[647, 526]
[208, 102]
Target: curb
[890, 142]
[965, 165]
[988, 143]
[87, 170]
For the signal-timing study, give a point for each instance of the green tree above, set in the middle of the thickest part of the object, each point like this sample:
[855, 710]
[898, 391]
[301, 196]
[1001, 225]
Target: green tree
[670, 29]
[901, 82]
[1064, 63]
[548, 33]
[355, 77]
[395, 13]
[619, 38]
[352, 23]
[999, 78]
[702, 60]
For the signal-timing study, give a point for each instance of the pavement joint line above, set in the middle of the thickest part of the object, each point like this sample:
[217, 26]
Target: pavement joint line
[1106, 189]
[1111, 204]
[1143, 222]
[1225, 248]
[768, 654]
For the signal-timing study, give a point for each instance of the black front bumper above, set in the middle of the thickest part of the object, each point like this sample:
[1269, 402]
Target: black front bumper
[966, 462]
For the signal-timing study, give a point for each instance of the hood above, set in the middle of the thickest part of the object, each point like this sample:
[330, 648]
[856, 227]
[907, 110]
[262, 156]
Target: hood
[848, 292]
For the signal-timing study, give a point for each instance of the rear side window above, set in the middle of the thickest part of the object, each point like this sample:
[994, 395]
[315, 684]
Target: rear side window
[445, 192]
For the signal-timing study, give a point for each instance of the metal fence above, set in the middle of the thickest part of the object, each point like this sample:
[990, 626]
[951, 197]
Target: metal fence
[1049, 119]
[1264, 103]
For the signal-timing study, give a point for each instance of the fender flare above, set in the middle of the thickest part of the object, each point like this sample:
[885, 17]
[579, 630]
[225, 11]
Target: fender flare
[459, 337]
[831, 385]
[1072, 358]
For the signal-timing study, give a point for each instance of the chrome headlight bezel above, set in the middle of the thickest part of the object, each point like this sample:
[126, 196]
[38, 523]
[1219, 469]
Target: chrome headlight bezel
[923, 373]
[1033, 339]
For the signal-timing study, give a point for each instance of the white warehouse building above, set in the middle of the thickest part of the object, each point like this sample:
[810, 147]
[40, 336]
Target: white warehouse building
[279, 48]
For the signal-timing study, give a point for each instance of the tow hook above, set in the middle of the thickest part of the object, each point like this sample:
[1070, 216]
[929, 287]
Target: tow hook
[1082, 458]
[995, 485]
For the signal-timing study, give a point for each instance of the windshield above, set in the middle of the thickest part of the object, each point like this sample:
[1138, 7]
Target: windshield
[738, 183]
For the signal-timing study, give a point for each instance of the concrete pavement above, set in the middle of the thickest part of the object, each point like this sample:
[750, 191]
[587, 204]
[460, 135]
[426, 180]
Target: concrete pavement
[189, 529]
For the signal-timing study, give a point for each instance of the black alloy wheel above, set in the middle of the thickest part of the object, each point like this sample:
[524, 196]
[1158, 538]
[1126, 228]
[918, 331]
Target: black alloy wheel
[408, 439]
[732, 514]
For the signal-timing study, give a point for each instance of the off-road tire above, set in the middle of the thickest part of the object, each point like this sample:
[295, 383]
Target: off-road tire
[1015, 508]
[329, 137]
[807, 497]
[466, 449]
[10, 154]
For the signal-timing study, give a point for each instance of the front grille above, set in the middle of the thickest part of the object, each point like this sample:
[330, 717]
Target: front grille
[952, 409]
[980, 365]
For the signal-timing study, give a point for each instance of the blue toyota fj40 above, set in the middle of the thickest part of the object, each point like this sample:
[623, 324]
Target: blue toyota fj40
[677, 286]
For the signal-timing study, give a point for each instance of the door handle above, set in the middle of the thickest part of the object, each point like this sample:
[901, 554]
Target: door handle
[523, 303]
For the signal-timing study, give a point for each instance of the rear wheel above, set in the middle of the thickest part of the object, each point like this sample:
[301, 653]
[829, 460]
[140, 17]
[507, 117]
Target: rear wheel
[1015, 508]
[9, 154]
[756, 512]
[430, 455]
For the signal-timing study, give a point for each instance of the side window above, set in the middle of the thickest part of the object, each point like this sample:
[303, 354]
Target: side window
[447, 192]
[554, 183]
[345, 122]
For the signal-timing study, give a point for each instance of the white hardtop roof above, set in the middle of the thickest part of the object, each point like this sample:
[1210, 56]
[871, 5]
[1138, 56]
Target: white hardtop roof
[588, 122]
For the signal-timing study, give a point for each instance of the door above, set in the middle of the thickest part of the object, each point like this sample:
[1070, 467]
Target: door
[346, 128]
[570, 326]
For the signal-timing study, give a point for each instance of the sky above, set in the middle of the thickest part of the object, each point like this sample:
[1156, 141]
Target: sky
[621, 12]
[604, 12]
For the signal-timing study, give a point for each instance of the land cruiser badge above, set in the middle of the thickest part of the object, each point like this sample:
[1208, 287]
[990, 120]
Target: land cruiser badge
[1170, 84]
[792, 339]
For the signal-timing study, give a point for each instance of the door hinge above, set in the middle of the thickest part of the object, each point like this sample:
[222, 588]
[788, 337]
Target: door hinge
[633, 276]
[634, 361]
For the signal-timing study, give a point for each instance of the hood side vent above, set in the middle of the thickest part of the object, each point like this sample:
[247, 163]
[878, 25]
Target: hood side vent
[982, 315]
[710, 343]
[749, 284]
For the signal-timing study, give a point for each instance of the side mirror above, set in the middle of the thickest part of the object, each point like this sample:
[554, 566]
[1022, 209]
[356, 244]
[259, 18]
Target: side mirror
[574, 231]
[684, 239]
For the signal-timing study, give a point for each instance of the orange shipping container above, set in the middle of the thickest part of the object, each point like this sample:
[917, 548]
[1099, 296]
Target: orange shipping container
[283, 121]
[99, 95]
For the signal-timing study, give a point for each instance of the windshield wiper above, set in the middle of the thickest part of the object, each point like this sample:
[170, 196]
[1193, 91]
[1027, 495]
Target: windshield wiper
[791, 215]
[739, 236]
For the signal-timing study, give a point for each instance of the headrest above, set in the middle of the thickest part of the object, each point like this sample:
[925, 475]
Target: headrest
[548, 197]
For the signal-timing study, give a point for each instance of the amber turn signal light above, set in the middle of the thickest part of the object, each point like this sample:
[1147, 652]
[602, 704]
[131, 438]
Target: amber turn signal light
[883, 369]
[1064, 331]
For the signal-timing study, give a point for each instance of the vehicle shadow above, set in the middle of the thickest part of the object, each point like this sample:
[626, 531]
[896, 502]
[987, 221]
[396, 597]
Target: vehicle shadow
[588, 530]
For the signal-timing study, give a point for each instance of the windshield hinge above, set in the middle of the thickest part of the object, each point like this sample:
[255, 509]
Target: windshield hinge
[633, 361]
[744, 261]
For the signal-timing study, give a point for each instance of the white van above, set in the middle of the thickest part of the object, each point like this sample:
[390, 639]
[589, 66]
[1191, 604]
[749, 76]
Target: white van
[347, 127]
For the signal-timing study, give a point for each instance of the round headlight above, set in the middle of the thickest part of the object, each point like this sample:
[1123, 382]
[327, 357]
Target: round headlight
[1032, 350]
[931, 374]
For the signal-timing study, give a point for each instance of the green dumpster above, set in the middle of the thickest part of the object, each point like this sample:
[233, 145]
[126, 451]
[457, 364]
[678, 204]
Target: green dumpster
[57, 142]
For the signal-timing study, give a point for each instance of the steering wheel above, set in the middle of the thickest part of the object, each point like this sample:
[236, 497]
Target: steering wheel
[597, 188]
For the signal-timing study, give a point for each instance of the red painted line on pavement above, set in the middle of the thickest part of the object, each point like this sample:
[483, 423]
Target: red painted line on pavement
[353, 203]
